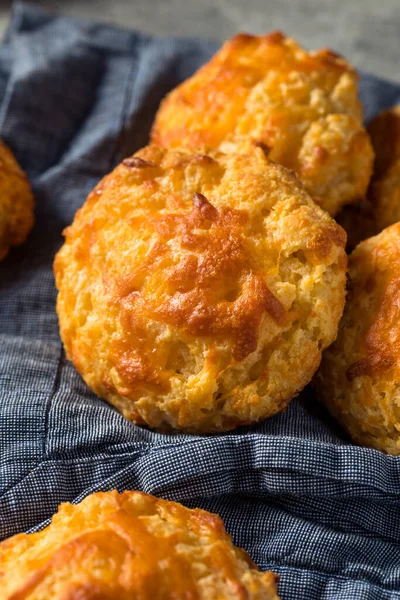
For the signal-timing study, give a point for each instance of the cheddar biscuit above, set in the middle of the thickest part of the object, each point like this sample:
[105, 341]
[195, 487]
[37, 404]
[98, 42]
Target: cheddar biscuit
[16, 202]
[384, 194]
[359, 376]
[358, 221]
[301, 107]
[197, 292]
[130, 545]
[381, 208]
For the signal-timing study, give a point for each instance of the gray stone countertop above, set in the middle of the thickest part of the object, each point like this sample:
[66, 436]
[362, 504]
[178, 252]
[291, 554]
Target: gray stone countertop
[367, 32]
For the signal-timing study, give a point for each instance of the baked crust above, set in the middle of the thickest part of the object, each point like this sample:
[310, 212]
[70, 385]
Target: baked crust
[130, 545]
[359, 376]
[197, 291]
[301, 107]
[16, 202]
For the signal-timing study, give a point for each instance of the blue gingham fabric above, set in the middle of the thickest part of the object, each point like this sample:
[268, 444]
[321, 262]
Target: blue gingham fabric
[76, 98]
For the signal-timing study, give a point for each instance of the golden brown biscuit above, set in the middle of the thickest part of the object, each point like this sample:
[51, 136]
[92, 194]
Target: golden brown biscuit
[16, 202]
[197, 291]
[301, 107]
[359, 376]
[382, 206]
[130, 545]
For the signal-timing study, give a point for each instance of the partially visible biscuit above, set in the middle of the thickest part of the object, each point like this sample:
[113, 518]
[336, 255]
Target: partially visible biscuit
[301, 107]
[16, 202]
[382, 205]
[359, 377]
[358, 221]
[130, 545]
[384, 193]
[197, 291]
[384, 131]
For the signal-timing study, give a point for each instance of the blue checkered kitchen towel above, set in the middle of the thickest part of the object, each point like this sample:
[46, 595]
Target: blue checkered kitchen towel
[76, 98]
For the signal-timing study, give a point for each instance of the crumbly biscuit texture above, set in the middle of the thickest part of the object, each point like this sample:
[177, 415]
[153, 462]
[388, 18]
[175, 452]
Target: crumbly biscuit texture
[359, 376]
[301, 107]
[130, 545]
[197, 291]
[16, 202]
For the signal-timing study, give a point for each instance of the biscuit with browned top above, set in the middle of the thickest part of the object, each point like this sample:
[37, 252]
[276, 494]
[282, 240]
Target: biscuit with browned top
[359, 377]
[16, 202]
[301, 107]
[196, 292]
[130, 545]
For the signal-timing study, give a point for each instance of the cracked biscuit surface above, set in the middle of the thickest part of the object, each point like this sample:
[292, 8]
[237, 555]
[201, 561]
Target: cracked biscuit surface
[359, 376]
[16, 202]
[301, 107]
[130, 545]
[197, 292]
